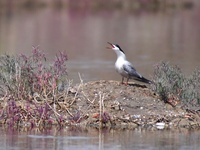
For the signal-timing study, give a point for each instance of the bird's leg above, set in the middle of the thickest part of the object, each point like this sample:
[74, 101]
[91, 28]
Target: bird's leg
[122, 80]
[127, 81]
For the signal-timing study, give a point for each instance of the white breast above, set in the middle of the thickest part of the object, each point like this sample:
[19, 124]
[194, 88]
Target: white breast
[119, 66]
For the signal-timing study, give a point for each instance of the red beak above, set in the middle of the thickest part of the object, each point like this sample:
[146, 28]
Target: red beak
[110, 45]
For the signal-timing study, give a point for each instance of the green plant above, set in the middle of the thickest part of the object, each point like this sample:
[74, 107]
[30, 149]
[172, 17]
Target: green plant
[169, 80]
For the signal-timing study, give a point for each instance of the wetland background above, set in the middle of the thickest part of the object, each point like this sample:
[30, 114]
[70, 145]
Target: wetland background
[148, 31]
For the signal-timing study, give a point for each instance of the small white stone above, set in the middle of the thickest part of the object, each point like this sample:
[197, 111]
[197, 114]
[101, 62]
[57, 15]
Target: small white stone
[136, 116]
[160, 125]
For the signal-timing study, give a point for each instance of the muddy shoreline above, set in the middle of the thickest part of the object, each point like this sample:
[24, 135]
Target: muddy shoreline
[99, 104]
[126, 106]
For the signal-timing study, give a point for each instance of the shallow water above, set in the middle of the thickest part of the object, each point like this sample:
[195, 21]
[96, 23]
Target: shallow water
[146, 37]
[83, 139]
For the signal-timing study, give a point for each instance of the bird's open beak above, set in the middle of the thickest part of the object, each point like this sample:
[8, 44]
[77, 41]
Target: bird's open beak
[112, 46]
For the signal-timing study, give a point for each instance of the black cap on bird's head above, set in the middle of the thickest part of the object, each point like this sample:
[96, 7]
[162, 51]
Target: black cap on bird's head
[115, 47]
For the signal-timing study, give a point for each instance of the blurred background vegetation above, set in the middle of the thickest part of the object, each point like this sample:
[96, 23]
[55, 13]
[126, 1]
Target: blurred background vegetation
[99, 4]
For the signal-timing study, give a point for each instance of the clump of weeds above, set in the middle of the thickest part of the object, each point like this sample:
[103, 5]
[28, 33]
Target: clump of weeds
[33, 93]
[174, 87]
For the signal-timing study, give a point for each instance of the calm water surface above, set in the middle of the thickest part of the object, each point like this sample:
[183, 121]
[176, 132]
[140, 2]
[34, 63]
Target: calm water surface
[73, 138]
[146, 37]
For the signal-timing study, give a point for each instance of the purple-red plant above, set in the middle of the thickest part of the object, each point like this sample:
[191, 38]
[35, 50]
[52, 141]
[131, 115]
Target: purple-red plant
[76, 117]
[29, 88]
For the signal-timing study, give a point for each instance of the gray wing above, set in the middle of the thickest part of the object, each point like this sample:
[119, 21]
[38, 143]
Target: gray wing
[130, 70]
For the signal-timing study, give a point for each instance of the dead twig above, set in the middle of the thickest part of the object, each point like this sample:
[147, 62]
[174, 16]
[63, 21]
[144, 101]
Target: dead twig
[101, 108]
[92, 102]
[81, 83]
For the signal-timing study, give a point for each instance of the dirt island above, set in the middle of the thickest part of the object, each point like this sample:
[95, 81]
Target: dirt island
[127, 106]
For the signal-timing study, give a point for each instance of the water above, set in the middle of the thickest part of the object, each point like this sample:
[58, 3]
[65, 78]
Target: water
[83, 139]
[146, 37]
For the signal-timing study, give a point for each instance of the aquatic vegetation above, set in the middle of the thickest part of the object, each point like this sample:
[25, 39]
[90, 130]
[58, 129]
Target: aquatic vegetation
[34, 93]
[173, 86]
[29, 89]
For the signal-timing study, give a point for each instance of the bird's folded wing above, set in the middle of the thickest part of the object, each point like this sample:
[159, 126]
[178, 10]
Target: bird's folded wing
[131, 71]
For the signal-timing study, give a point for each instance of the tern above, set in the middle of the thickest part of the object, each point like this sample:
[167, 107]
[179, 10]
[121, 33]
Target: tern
[124, 67]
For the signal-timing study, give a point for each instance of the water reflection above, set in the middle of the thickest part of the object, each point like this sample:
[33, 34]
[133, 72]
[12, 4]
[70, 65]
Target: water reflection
[77, 138]
[147, 38]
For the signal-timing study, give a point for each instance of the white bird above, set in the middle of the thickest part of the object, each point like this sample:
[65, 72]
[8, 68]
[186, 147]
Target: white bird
[124, 67]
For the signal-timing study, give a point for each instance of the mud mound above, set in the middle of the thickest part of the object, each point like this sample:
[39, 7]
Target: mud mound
[109, 103]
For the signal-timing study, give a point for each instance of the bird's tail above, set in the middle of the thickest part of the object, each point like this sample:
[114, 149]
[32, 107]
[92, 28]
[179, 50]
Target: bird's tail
[142, 79]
